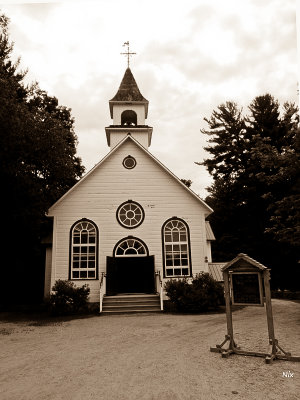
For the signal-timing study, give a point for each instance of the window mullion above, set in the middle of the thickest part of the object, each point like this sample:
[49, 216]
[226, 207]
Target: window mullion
[174, 230]
[85, 261]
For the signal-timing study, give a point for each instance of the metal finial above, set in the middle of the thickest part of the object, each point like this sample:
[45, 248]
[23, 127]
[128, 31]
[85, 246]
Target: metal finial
[128, 53]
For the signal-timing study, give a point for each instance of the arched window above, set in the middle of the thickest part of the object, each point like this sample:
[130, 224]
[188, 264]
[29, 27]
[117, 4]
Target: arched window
[176, 248]
[130, 247]
[83, 250]
[128, 117]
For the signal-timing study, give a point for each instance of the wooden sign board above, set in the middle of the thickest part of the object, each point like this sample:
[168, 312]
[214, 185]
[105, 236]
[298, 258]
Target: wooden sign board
[244, 279]
[246, 288]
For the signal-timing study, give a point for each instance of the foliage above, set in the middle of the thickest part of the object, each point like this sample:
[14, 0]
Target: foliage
[201, 294]
[38, 164]
[284, 224]
[68, 299]
[254, 161]
[187, 182]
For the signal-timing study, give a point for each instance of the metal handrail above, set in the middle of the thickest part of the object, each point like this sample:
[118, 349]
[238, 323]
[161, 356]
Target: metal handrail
[157, 273]
[103, 275]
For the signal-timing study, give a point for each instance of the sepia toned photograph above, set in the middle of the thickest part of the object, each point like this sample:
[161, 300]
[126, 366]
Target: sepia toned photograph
[150, 163]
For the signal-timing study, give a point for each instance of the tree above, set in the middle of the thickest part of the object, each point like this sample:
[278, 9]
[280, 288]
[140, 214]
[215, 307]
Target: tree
[187, 182]
[256, 175]
[226, 131]
[284, 207]
[38, 163]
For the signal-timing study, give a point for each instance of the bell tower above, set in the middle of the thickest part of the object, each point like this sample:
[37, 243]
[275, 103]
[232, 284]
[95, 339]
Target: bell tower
[129, 111]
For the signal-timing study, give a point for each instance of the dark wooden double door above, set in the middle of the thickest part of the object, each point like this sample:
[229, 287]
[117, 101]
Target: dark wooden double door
[130, 275]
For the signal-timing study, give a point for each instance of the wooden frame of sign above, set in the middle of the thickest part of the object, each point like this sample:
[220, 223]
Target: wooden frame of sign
[244, 280]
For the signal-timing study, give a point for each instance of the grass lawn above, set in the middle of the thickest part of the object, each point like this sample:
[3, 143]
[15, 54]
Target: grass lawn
[154, 356]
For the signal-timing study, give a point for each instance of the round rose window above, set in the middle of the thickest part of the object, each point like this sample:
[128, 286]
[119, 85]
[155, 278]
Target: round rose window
[130, 214]
[129, 162]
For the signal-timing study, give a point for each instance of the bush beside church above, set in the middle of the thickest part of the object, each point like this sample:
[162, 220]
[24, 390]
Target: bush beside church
[200, 295]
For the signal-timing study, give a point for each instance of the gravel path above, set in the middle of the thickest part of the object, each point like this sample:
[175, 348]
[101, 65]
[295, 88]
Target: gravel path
[143, 357]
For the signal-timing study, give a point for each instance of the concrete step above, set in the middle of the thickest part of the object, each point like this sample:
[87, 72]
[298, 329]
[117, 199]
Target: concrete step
[131, 303]
[135, 307]
[130, 311]
[132, 296]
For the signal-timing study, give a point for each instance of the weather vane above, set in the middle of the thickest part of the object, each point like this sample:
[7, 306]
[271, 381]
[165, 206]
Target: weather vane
[128, 53]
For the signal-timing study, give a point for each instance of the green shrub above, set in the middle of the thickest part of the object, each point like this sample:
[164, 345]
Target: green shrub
[68, 299]
[202, 294]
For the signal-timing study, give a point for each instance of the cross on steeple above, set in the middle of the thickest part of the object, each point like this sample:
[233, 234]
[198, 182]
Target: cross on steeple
[128, 53]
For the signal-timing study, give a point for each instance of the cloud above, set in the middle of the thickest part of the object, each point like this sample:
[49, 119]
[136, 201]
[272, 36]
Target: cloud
[191, 57]
[38, 11]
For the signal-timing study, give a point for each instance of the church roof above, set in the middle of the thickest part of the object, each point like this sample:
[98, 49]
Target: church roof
[129, 137]
[128, 90]
[209, 233]
[215, 269]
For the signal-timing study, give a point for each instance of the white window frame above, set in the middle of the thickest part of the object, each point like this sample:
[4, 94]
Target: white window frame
[176, 248]
[130, 214]
[131, 247]
[84, 250]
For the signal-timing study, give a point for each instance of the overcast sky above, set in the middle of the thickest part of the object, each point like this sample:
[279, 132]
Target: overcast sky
[191, 56]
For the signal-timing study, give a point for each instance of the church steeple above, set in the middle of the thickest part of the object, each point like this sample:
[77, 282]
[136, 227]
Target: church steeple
[129, 110]
[128, 92]
[128, 89]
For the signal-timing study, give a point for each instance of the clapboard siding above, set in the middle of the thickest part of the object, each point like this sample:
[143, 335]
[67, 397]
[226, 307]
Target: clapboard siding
[48, 263]
[99, 195]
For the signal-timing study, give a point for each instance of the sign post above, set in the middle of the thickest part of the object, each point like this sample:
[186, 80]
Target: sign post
[247, 282]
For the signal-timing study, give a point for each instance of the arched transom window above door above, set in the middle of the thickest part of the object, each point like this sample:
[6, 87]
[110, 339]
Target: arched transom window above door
[130, 214]
[176, 248]
[130, 247]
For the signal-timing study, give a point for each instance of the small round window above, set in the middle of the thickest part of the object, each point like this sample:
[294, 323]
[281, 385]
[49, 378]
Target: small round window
[130, 214]
[129, 162]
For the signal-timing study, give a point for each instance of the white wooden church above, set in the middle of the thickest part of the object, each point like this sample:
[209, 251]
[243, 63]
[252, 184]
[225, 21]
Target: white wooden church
[129, 224]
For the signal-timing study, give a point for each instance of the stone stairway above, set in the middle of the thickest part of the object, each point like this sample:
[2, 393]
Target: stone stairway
[131, 303]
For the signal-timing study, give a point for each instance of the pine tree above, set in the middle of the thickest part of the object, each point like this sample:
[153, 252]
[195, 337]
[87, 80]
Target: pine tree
[255, 165]
[38, 164]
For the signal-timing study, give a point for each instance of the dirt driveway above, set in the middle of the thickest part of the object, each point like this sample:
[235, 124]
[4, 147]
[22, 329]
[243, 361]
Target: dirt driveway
[143, 357]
